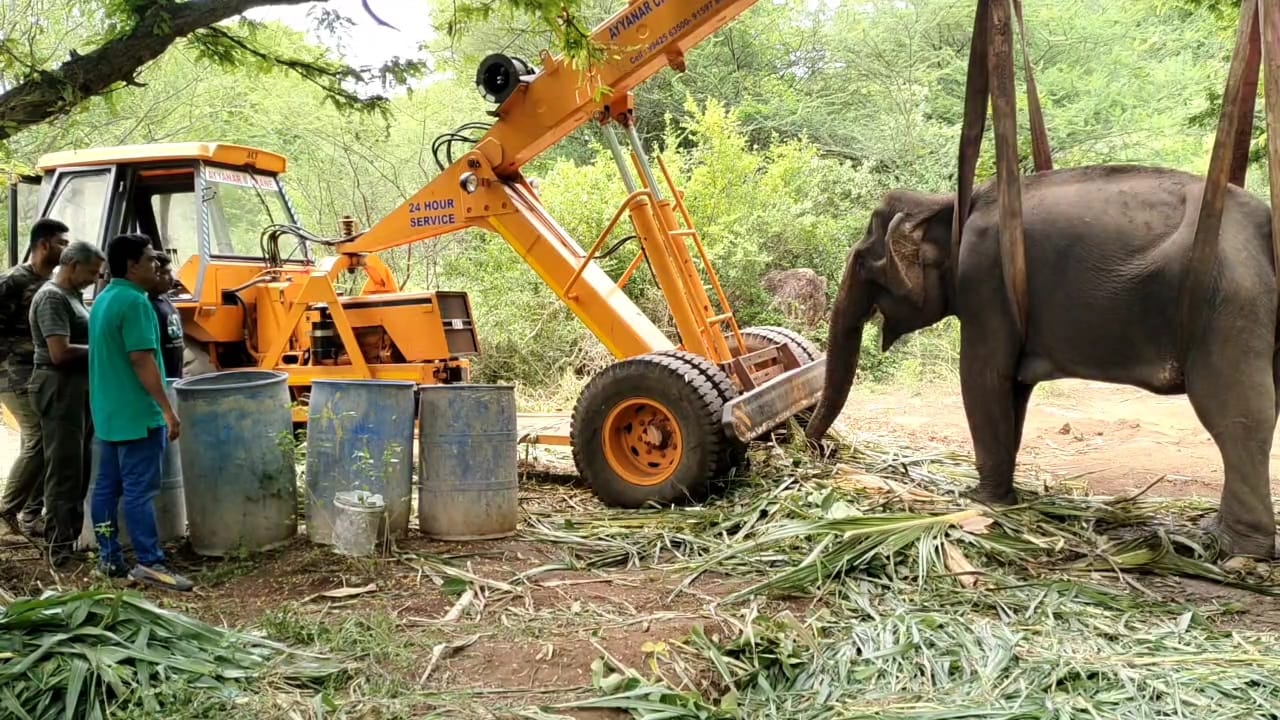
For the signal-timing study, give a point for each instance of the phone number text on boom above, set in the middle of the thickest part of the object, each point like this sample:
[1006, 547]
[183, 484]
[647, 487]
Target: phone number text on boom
[675, 30]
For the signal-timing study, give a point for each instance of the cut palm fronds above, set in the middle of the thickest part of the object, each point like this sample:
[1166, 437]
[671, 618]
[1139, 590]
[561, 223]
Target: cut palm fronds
[842, 545]
[926, 605]
[797, 526]
[1157, 554]
[83, 654]
[935, 658]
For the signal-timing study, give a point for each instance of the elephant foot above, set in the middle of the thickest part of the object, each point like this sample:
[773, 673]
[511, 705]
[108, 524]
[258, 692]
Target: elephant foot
[996, 496]
[1232, 545]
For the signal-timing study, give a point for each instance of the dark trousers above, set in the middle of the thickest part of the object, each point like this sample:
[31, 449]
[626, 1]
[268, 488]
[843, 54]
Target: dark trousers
[24, 488]
[61, 399]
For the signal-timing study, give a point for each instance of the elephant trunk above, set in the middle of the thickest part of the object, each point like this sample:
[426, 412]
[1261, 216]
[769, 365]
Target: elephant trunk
[852, 308]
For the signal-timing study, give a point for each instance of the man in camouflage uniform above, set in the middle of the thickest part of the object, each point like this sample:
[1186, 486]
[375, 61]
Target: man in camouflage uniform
[22, 502]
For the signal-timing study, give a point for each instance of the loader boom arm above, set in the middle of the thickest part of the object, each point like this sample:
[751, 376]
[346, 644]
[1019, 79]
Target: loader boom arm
[485, 189]
[639, 41]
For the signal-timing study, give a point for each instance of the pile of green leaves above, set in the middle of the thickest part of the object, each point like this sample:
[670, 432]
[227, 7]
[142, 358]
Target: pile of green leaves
[795, 527]
[904, 599]
[86, 654]
[1075, 654]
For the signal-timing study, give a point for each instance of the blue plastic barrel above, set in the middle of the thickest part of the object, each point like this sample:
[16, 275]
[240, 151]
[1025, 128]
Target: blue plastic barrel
[359, 437]
[467, 455]
[170, 504]
[238, 470]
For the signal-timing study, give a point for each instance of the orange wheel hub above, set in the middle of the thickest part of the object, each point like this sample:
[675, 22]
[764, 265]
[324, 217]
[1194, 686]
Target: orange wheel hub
[642, 441]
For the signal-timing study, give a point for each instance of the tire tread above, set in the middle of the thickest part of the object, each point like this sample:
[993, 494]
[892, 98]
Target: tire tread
[706, 428]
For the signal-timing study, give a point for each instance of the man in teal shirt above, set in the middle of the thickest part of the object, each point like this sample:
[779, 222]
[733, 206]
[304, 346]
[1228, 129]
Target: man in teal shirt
[132, 417]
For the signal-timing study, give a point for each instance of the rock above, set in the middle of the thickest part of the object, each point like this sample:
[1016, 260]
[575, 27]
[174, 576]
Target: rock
[799, 293]
[1065, 429]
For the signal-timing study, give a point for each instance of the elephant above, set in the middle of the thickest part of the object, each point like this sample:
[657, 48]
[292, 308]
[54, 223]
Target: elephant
[1107, 253]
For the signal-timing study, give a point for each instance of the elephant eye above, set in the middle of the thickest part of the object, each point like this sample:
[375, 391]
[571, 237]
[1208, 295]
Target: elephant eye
[860, 263]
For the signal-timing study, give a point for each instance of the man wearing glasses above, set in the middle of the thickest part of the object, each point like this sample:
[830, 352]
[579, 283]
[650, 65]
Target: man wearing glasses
[132, 417]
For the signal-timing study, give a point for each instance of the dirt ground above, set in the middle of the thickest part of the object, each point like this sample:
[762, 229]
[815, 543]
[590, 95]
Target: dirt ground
[439, 652]
[1117, 438]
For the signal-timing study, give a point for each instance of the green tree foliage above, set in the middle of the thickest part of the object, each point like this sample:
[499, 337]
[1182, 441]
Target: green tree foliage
[881, 82]
[55, 54]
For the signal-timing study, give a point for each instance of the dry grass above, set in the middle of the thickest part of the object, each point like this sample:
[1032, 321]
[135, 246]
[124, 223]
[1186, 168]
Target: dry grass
[865, 587]
[920, 604]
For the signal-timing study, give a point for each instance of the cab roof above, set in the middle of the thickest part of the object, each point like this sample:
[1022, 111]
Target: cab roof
[223, 153]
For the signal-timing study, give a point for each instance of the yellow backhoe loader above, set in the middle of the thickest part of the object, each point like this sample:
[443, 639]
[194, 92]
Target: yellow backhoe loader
[658, 425]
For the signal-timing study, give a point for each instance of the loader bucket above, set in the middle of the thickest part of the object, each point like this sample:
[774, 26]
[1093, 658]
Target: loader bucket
[758, 411]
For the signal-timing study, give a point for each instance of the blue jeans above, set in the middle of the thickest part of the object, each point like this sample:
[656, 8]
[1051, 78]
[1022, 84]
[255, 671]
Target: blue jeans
[130, 470]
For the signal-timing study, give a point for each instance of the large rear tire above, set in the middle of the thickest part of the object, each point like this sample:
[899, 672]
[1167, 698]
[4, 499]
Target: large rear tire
[758, 338]
[646, 431]
[734, 453]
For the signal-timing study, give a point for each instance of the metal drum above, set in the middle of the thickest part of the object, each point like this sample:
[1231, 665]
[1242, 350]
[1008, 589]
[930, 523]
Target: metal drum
[170, 505]
[240, 481]
[467, 461]
[359, 437]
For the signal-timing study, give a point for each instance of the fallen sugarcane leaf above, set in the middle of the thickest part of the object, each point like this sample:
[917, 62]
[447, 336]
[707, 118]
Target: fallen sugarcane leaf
[847, 477]
[1140, 493]
[439, 652]
[958, 564]
[342, 592]
[588, 581]
[976, 525]
[463, 603]
[87, 654]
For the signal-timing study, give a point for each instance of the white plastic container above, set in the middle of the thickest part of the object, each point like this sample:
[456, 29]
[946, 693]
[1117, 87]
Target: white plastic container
[358, 523]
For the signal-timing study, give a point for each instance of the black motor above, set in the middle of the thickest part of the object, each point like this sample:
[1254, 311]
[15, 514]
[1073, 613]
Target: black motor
[499, 75]
[324, 337]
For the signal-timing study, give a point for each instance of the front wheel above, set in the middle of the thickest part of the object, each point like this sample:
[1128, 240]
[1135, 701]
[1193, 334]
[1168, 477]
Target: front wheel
[761, 337]
[733, 454]
[646, 431]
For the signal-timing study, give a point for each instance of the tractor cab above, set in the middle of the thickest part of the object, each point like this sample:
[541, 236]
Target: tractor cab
[249, 289]
[199, 202]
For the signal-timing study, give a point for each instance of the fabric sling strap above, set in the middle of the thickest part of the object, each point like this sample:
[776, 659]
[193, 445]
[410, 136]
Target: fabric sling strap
[991, 55]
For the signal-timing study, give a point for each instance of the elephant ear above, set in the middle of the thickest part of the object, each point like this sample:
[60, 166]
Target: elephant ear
[902, 252]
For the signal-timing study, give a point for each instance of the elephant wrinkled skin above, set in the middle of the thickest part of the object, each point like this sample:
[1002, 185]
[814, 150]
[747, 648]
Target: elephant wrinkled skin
[1107, 251]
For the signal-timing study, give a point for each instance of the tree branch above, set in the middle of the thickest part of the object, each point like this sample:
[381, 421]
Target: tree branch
[46, 94]
[147, 28]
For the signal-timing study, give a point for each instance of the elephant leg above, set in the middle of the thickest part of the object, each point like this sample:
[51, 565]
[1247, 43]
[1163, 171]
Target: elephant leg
[994, 405]
[1235, 400]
